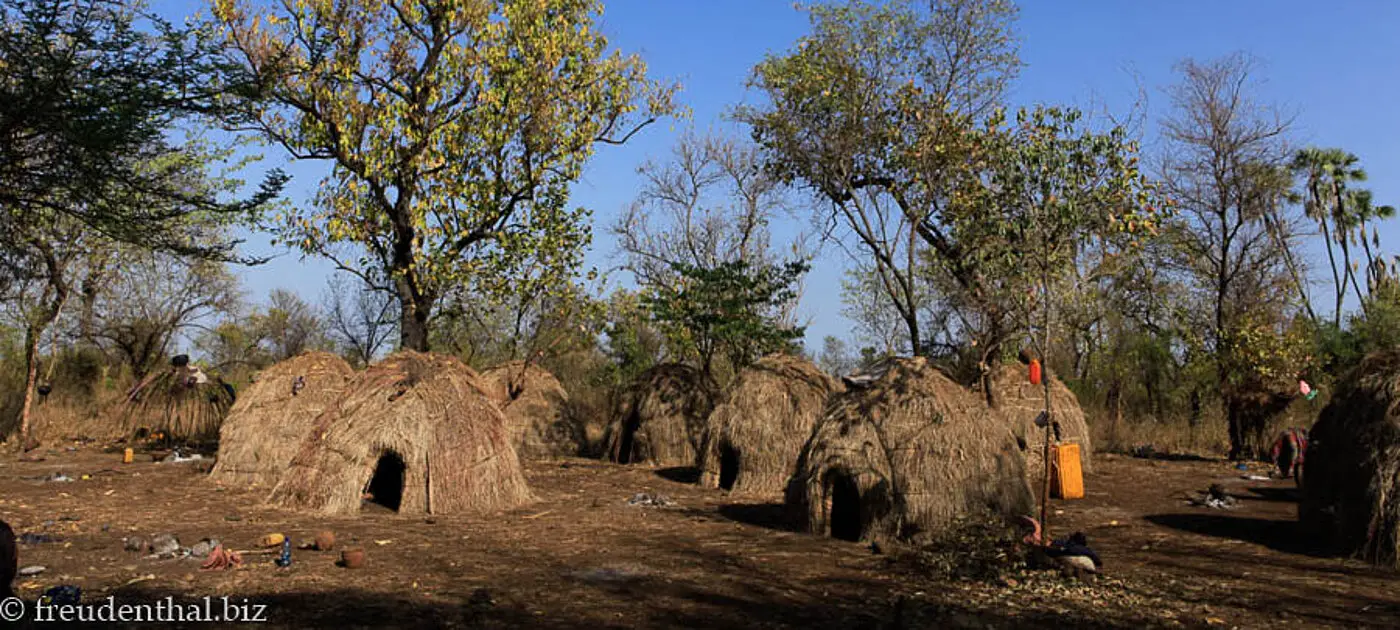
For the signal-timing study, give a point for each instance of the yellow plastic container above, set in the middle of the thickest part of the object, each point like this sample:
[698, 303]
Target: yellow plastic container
[1066, 472]
[127, 455]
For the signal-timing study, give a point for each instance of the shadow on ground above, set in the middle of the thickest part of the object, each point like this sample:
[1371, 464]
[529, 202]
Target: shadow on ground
[680, 474]
[1285, 536]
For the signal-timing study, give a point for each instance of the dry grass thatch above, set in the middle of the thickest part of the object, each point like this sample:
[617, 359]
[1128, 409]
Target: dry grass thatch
[182, 401]
[904, 456]
[1351, 477]
[1019, 402]
[418, 432]
[660, 419]
[535, 405]
[754, 437]
[274, 414]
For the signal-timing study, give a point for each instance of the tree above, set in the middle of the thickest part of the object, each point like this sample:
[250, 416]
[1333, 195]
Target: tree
[290, 326]
[90, 107]
[728, 310]
[849, 107]
[454, 129]
[1223, 157]
[835, 357]
[360, 318]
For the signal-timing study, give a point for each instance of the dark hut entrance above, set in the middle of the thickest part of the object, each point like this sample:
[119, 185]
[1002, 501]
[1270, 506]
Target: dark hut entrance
[386, 486]
[629, 435]
[728, 466]
[843, 514]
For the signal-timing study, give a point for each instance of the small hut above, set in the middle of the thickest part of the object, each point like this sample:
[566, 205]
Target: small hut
[1019, 402]
[903, 453]
[535, 406]
[274, 414]
[415, 433]
[754, 437]
[660, 419]
[1352, 471]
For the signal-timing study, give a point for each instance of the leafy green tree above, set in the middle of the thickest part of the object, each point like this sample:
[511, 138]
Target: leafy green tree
[728, 310]
[851, 109]
[93, 95]
[454, 129]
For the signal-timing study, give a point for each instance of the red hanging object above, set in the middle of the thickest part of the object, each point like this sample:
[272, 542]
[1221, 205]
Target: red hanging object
[1035, 371]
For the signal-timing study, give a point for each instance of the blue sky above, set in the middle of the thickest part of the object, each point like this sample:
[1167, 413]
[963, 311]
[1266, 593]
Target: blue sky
[1333, 64]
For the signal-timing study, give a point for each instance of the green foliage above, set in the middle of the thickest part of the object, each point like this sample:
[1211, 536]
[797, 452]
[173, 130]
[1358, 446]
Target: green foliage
[455, 128]
[728, 310]
[633, 343]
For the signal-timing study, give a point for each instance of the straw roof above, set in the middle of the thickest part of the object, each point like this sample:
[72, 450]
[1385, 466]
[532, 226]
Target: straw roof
[754, 437]
[1019, 402]
[275, 413]
[534, 403]
[1352, 470]
[660, 419]
[430, 412]
[916, 451]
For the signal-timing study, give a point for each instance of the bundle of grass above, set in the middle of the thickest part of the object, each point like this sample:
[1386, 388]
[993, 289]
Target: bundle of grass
[274, 415]
[1351, 495]
[904, 454]
[660, 419]
[534, 403]
[754, 437]
[417, 434]
[1019, 402]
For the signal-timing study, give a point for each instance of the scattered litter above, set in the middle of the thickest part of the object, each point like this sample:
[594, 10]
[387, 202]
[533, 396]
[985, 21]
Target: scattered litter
[63, 595]
[165, 546]
[1215, 497]
[177, 458]
[285, 559]
[648, 500]
[220, 559]
[58, 478]
[135, 543]
[381, 543]
[1254, 477]
[202, 548]
[29, 538]
[32, 570]
[272, 540]
[145, 578]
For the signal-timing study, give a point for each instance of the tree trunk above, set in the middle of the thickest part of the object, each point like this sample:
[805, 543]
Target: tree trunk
[31, 379]
[1115, 408]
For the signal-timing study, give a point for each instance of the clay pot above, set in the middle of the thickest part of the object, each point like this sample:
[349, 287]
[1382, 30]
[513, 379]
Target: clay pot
[325, 540]
[352, 558]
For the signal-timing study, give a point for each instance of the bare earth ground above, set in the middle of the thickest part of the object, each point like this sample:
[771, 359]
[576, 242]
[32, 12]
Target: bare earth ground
[580, 557]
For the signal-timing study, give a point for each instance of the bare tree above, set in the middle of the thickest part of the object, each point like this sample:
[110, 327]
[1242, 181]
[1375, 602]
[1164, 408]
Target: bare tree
[359, 317]
[1226, 167]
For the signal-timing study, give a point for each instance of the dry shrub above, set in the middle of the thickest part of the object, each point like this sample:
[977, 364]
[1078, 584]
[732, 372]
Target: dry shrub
[904, 456]
[1019, 402]
[535, 406]
[754, 437]
[660, 419]
[1352, 472]
[269, 420]
[429, 411]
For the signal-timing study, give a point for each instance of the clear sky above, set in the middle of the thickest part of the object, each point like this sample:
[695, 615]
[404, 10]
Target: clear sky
[1333, 64]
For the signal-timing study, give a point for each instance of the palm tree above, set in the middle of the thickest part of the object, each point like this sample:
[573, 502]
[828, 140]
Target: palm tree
[1327, 172]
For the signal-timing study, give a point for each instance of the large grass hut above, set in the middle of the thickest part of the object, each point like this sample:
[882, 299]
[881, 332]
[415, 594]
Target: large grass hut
[1352, 473]
[1019, 402]
[754, 437]
[418, 434]
[273, 415]
[903, 453]
[535, 406]
[660, 418]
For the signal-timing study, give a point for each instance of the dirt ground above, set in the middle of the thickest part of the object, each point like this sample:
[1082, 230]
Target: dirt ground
[582, 557]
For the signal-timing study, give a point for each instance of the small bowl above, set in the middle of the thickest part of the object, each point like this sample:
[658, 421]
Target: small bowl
[352, 558]
[325, 540]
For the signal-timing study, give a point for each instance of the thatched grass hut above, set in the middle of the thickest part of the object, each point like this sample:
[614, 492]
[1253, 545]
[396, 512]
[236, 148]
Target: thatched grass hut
[754, 437]
[1351, 478]
[903, 455]
[415, 431]
[1019, 402]
[660, 419]
[273, 415]
[535, 406]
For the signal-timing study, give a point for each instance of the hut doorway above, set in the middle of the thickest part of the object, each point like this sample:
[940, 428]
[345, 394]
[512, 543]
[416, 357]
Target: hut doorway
[629, 435]
[386, 486]
[843, 512]
[728, 466]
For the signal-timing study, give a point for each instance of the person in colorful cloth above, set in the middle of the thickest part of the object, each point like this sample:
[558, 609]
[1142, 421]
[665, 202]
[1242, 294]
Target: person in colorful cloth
[1288, 453]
